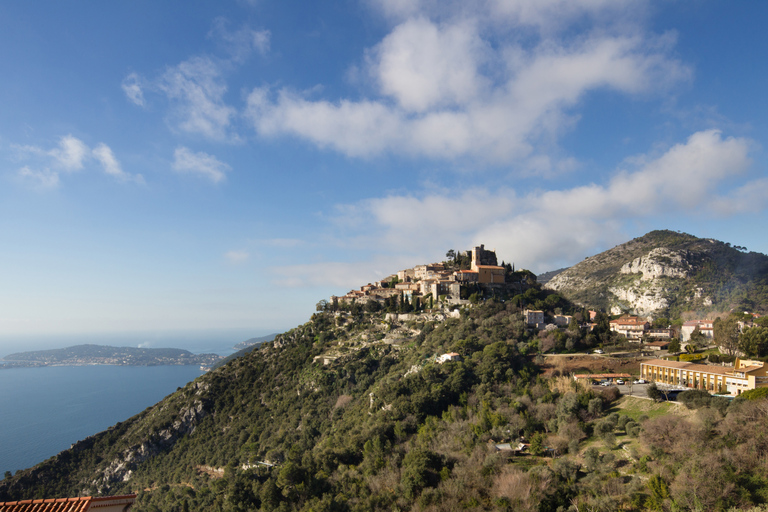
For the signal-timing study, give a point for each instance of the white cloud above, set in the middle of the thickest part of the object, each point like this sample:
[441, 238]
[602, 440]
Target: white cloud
[239, 44]
[133, 89]
[40, 179]
[197, 90]
[111, 166]
[354, 128]
[208, 166]
[423, 65]
[752, 197]
[237, 256]
[451, 89]
[549, 229]
[70, 154]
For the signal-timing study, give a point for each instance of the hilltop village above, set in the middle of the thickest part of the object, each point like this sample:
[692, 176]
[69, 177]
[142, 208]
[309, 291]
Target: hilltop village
[448, 282]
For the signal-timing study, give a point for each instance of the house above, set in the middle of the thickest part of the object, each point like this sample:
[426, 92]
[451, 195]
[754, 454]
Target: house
[563, 320]
[661, 334]
[450, 356]
[631, 327]
[706, 327]
[657, 345]
[445, 287]
[490, 274]
[467, 276]
[409, 287]
[406, 275]
[535, 318]
[83, 504]
[428, 271]
[744, 375]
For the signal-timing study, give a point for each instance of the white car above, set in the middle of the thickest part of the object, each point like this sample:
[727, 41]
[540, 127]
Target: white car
[639, 381]
[598, 351]
[620, 382]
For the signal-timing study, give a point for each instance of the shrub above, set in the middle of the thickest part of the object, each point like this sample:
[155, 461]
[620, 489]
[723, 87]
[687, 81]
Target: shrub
[695, 398]
[754, 394]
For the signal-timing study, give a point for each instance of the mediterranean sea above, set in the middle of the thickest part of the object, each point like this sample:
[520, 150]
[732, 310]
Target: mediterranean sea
[45, 410]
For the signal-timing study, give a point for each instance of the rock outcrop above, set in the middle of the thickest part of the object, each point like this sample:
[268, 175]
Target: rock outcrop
[665, 273]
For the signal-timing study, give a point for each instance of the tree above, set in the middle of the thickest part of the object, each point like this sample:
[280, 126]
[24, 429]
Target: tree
[653, 392]
[674, 345]
[726, 333]
[754, 341]
[451, 255]
[698, 339]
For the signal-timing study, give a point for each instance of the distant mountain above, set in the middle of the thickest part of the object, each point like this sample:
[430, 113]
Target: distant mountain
[667, 273]
[101, 354]
[547, 276]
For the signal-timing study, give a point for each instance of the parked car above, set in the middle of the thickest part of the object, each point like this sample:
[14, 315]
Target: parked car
[605, 383]
[639, 381]
[620, 382]
[598, 351]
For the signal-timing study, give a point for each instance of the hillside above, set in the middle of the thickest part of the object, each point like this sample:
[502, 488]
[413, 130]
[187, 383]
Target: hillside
[667, 273]
[352, 412]
[102, 354]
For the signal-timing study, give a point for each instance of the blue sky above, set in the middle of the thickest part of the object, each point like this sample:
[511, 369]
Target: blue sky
[184, 166]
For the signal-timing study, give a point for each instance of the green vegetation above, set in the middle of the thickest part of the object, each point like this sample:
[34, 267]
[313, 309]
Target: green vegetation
[351, 411]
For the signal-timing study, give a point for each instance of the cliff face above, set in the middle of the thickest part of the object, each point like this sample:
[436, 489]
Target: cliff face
[666, 273]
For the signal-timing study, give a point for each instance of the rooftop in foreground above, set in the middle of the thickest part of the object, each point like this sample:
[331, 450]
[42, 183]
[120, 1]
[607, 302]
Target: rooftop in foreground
[82, 504]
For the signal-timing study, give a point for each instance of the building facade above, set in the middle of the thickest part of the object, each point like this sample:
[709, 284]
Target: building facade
[744, 375]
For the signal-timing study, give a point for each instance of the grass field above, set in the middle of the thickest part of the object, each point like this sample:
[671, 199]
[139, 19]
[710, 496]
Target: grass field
[635, 407]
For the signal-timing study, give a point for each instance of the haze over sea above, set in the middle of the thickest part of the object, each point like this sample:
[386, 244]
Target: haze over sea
[45, 410]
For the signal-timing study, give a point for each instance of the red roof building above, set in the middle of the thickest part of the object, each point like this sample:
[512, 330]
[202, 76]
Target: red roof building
[83, 504]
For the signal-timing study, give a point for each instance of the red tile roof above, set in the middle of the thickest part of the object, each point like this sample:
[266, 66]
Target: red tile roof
[82, 504]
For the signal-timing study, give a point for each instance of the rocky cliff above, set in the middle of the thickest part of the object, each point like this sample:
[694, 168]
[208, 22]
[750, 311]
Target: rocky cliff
[666, 273]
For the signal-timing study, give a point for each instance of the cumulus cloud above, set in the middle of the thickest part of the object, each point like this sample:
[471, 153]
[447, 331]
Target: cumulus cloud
[203, 164]
[457, 88]
[549, 229]
[423, 65]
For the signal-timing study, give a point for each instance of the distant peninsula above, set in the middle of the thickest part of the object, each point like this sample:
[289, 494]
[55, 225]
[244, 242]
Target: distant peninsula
[84, 355]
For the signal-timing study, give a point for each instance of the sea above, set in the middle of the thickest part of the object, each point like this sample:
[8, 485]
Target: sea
[45, 410]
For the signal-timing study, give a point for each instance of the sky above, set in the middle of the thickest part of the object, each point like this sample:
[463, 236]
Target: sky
[190, 166]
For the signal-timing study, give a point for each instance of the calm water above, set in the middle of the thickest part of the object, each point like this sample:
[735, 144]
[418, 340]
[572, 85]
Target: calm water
[44, 410]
